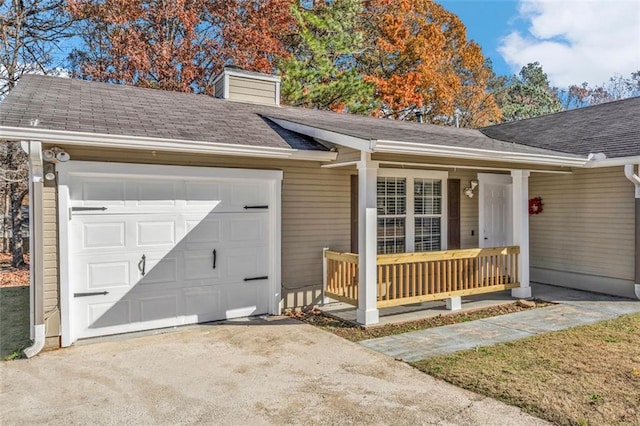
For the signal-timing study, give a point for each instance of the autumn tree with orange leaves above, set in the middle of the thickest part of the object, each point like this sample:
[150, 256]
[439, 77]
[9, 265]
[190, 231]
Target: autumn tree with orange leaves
[177, 45]
[420, 61]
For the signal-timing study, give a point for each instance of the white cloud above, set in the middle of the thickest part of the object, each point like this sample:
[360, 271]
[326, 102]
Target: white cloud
[576, 40]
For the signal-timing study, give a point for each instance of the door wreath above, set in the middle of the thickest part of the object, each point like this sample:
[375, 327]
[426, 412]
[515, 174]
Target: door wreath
[535, 206]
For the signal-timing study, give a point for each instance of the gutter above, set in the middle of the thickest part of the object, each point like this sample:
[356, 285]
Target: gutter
[399, 147]
[629, 172]
[36, 264]
[63, 137]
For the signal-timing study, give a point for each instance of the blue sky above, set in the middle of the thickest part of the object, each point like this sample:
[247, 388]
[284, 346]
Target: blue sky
[487, 23]
[574, 40]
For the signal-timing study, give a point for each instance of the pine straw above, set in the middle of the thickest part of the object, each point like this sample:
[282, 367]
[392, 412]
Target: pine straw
[356, 333]
[587, 375]
[13, 277]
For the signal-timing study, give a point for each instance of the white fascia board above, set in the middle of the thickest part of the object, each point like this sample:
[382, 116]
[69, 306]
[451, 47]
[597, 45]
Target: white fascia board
[413, 148]
[174, 145]
[353, 142]
[611, 162]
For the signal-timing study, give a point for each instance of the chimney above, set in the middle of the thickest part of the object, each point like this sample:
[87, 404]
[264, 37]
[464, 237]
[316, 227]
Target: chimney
[238, 85]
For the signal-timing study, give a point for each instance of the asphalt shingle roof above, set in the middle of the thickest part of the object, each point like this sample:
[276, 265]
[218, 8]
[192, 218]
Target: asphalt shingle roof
[84, 106]
[612, 128]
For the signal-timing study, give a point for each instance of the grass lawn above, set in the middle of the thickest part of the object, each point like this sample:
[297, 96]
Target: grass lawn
[14, 308]
[587, 375]
[14, 321]
[356, 333]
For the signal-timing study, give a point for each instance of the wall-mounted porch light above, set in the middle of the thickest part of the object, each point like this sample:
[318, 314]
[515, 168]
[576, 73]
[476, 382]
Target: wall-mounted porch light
[49, 171]
[469, 190]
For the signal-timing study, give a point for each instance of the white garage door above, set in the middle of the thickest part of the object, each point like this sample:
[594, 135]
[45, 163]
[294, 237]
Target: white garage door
[151, 251]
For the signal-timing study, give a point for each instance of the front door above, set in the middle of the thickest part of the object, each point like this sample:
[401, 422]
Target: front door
[495, 210]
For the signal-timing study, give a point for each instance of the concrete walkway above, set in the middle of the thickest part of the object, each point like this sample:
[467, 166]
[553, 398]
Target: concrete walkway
[574, 308]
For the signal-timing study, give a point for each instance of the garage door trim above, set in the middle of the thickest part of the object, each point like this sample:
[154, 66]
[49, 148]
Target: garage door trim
[73, 169]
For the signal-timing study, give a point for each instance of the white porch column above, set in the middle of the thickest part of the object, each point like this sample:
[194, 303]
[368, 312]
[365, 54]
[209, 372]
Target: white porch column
[520, 188]
[367, 312]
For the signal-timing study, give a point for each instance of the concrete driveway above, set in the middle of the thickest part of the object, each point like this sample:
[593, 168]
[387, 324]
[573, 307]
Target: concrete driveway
[274, 371]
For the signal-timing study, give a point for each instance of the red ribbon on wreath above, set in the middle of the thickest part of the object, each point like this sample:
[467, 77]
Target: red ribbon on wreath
[535, 206]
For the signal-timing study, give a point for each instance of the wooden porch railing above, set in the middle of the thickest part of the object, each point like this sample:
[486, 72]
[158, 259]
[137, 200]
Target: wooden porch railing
[421, 277]
[341, 276]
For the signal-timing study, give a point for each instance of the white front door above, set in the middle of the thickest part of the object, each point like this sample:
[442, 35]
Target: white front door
[495, 210]
[146, 251]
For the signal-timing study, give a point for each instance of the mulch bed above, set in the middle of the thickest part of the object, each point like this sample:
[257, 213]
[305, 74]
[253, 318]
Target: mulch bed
[13, 277]
[356, 333]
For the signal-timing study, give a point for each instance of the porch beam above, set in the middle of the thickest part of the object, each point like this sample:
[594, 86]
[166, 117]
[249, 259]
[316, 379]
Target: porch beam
[520, 196]
[367, 312]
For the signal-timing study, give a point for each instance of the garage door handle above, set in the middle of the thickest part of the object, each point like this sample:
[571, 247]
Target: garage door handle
[142, 264]
[266, 277]
[255, 207]
[95, 293]
[215, 256]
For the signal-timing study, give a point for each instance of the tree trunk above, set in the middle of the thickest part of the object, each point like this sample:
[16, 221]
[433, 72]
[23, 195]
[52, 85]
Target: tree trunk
[17, 252]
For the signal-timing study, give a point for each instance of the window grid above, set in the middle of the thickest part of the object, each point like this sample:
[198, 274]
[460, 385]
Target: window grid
[427, 214]
[392, 211]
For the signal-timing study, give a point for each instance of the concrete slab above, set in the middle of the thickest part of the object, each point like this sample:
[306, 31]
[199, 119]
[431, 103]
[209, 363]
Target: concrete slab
[277, 371]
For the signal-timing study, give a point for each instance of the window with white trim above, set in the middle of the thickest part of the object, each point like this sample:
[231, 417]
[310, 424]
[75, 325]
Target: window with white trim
[427, 195]
[392, 214]
[410, 211]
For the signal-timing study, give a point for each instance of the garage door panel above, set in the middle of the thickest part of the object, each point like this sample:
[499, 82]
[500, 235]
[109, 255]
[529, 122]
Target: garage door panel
[160, 270]
[93, 192]
[206, 231]
[157, 307]
[201, 304]
[155, 193]
[155, 232]
[104, 235]
[199, 266]
[241, 264]
[101, 315]
[108, 275]
[208, 194]
[245, 299]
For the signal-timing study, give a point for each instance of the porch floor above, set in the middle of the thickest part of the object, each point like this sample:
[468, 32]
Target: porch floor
[418, 311]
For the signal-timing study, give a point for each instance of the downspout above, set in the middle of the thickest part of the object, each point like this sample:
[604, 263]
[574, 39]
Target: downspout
[36, 264]
[629, 172]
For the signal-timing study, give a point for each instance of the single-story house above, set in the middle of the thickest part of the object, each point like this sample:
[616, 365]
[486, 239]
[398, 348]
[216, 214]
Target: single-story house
[153, 209]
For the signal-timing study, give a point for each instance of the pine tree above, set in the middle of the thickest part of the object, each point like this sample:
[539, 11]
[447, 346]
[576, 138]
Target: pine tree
[321, 72]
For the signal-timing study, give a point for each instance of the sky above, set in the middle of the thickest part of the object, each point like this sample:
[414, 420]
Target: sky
[575, 41]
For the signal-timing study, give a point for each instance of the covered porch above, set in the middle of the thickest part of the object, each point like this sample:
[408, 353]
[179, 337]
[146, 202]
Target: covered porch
[405, 254]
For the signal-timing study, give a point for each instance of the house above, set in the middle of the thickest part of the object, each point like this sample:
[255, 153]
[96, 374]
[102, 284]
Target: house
[154, 209]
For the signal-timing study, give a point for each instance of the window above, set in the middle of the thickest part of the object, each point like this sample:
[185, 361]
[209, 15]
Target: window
[427, 195]
[410, 211]
[392, 214]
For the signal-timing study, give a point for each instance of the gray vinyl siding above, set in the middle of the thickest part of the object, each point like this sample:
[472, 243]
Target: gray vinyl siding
[244, 89]
[586, 228]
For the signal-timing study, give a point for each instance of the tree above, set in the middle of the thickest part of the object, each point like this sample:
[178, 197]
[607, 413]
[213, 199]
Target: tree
[528, 94]
[320, 72]
[177, 45]
[14, 175]
[419, 59]
[30, 33]
[617, 88]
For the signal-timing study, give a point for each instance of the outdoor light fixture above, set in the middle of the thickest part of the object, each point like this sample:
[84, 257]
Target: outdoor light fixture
[55, 155]
[469, 191]
[49, 171]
